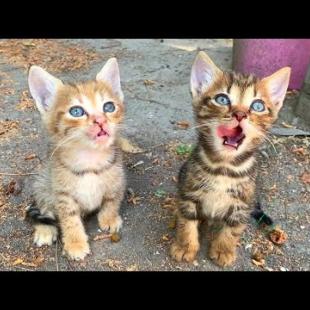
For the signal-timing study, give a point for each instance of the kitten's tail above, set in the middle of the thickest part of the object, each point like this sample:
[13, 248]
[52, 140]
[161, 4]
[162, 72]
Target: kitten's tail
[260, 216]
[34, 214]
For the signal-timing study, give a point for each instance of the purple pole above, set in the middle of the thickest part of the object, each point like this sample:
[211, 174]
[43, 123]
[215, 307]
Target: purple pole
[265, 56]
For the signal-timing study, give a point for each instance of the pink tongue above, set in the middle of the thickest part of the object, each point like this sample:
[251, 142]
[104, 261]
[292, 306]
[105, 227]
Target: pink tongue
[232, 135]
[224, 131]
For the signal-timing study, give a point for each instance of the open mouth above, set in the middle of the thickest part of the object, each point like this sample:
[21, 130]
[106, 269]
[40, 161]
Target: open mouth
[102, 133]
[232, 137]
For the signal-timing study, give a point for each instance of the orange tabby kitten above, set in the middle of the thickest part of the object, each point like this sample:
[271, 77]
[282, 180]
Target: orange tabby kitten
[84, 172]
[217, 183]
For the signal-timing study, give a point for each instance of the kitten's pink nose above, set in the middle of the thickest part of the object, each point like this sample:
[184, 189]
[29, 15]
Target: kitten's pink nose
[100, 120]
[239, 115]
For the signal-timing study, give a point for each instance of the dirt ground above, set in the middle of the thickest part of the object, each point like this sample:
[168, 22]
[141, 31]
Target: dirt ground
[155, 80]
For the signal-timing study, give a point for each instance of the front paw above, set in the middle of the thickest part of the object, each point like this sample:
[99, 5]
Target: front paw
[110, 224]
[222, 258]
[44, 235]
[183, 253]
[76, 249]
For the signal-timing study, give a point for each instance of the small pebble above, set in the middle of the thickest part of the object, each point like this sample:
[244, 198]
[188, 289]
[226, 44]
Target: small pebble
[248, 246]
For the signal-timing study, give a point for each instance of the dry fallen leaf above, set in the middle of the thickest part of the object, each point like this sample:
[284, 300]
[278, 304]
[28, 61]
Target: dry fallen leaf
[26, 102]
[172, 224]
[52, 55]
[14, 187]
[155, 161]
[11, 187]
[305, 177]
[31, 156]
[175, 179]
[274, 187]
[169, 203]
[114, 264]
[165, 237]
[287, 125]
[148, 82]
[259, 263]
[195, 263]
[299, 150]
[182, 124]
[283, 268]
[35, 263]
[134, 200]
[102, 237]
[290, 177]
[132, 197]
[115, 237]
[8, 128]
[128, 147]
[261, 247]
[18, 261]
[278, 236]
[268, 268]
[28, 43]
[132, 268]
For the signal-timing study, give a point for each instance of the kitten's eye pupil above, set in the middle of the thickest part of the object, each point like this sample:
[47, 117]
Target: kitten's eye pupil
[222, 99]
[77, 111]
[258, 106]
[109, 107]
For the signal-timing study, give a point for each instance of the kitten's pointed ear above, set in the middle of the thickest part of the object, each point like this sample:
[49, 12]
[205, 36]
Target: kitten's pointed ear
[276, 85]
[43, 87]
[110, 74]
[204, 73]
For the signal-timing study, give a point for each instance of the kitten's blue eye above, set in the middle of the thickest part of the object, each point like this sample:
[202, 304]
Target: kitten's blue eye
[222, 99]
[77, 111]
[109, 107]
[258, 106]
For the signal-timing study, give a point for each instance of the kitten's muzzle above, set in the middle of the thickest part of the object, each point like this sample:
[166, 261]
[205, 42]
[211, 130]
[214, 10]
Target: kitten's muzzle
[239, 115]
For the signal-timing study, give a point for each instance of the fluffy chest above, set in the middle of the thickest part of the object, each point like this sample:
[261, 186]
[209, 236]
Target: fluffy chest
[224, 192]
[89, 190]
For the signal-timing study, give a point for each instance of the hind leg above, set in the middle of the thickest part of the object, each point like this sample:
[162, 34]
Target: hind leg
[44, 234]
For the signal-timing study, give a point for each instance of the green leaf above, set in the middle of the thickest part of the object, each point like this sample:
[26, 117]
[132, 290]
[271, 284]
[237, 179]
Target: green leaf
[184, 149]
[160, 193]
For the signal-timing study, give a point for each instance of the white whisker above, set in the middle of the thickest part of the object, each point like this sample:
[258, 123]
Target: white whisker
[62, 142]
[267, 139]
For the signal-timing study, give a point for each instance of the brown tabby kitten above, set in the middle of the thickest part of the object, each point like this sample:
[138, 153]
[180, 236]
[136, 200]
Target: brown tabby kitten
[84, 172]
[217, 183]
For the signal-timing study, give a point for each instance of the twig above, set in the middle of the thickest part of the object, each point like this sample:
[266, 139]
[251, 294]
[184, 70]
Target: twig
[69, 264]
[285, 209]
[146, 99]
[140, 162]
[56, 255]
[19, 174]
[154, 146]
[22, 268]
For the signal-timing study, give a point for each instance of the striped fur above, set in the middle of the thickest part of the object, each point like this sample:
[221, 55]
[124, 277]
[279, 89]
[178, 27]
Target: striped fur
[217, 183]
[81, 175]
